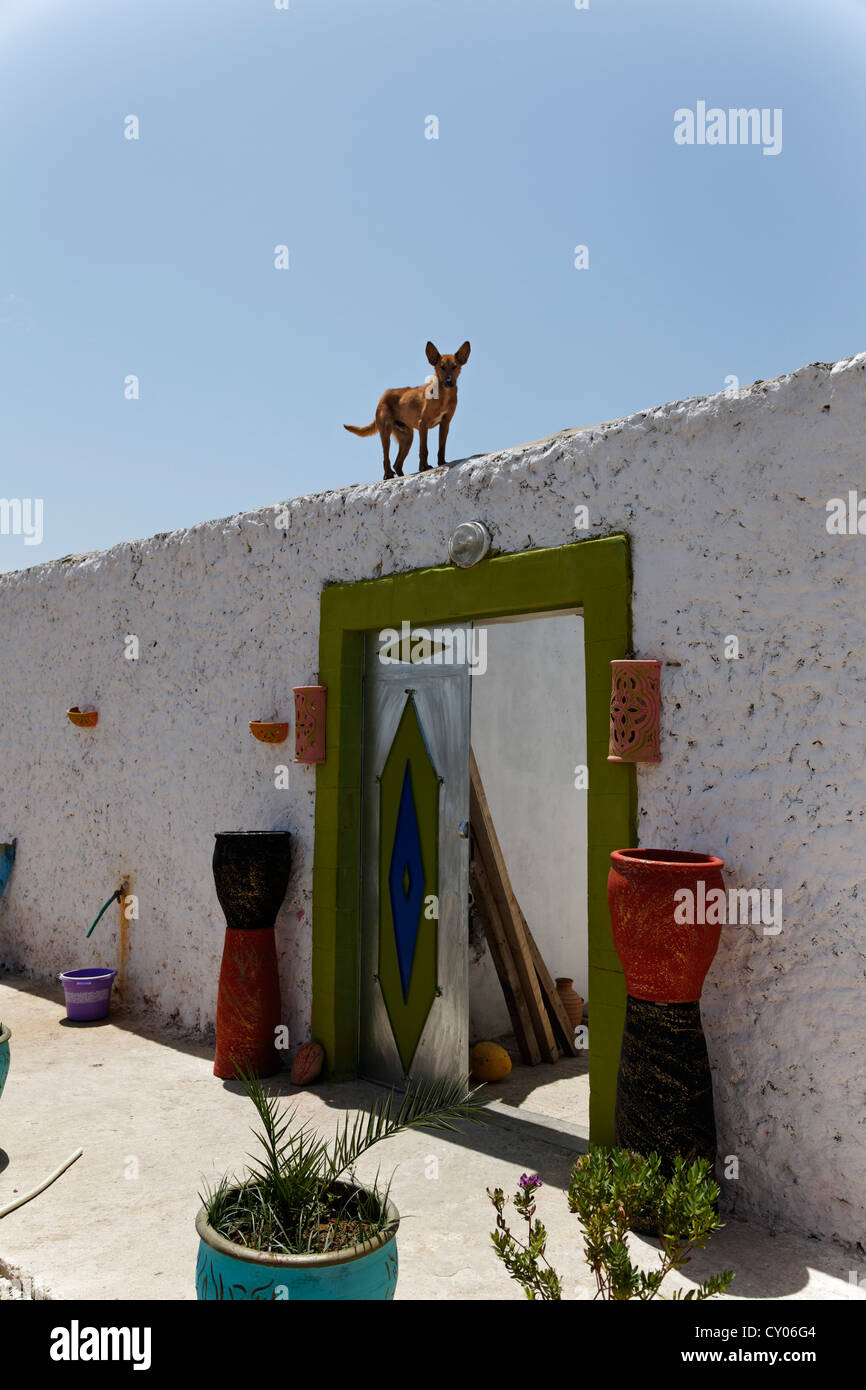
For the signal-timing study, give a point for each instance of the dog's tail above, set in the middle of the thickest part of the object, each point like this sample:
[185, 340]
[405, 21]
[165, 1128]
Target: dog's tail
[363, 430]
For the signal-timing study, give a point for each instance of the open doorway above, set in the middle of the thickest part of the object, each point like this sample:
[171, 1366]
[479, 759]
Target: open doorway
[592, 577]
[528, 735]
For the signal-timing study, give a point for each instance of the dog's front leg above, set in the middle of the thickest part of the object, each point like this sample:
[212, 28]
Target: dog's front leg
[422, 448]
[443, 435]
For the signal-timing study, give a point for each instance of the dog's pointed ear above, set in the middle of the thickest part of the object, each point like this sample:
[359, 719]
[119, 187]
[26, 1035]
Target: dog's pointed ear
[433, 354]
[462, 353]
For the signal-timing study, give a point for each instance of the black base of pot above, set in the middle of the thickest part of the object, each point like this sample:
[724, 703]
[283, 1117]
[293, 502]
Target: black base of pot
[664, 1091]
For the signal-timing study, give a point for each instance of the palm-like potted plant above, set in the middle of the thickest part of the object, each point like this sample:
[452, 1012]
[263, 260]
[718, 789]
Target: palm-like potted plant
[297, 1224]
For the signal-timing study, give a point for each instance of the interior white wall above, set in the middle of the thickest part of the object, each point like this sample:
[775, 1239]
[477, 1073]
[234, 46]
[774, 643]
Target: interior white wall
[529, 735]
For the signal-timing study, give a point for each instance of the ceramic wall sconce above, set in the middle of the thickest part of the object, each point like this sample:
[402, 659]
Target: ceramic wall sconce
[269, 731]
[82, 718]
[311, 704]
[635, 707]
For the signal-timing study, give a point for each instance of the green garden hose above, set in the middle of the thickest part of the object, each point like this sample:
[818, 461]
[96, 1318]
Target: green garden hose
[115, 897]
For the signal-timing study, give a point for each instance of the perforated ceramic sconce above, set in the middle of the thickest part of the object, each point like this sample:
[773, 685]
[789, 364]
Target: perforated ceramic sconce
[311, 703]
[635, 709]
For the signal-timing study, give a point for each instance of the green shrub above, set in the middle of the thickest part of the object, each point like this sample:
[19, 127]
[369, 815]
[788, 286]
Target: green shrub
[610, 1191]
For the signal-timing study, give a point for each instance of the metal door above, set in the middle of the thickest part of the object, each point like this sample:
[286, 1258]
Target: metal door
[414, 989]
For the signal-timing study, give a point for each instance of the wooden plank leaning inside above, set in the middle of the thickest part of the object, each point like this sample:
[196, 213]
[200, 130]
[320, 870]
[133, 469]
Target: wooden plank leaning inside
[503, 961]
[528, 980]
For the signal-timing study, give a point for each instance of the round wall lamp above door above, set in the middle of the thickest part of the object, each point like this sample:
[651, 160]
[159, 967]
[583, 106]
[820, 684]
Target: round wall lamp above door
[469, 544]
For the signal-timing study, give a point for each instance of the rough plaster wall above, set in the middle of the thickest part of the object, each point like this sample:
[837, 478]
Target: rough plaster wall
[724, 499]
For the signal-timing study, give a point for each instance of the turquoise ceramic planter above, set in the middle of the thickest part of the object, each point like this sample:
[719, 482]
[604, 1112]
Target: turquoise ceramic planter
[5, 1035]
[228, 1271]
[7, 859]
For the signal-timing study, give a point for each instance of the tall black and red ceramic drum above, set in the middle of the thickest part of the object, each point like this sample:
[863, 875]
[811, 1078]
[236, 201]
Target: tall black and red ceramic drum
[251, 873]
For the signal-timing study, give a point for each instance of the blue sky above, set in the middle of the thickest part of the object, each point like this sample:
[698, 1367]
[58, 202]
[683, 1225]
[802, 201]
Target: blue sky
[306, 127]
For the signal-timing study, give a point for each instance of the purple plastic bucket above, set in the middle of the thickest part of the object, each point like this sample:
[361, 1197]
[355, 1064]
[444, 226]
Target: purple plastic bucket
[88, 993]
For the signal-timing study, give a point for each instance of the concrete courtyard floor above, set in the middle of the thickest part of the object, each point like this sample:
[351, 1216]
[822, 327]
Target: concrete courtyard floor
[557, 1091]
[155, 1125]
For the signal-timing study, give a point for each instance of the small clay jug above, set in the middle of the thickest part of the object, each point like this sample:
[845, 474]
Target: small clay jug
[572, 1001]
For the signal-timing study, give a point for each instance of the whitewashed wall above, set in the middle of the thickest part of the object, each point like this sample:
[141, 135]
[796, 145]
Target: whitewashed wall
[724, 499]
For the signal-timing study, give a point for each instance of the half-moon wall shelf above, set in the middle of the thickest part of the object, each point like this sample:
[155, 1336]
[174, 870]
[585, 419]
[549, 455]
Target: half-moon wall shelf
[269, 731]
[82, 718]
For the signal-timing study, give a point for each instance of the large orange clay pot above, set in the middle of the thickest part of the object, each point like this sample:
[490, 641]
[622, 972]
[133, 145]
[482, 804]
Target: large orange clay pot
[665, 960]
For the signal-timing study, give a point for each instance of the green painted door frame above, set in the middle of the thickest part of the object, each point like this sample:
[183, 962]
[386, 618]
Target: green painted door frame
[594, 575]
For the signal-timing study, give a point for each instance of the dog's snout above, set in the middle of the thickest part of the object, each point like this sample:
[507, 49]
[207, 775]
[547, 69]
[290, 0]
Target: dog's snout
[449, 381]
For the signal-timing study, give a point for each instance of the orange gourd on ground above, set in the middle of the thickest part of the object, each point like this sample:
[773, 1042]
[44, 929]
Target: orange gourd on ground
[489, 1062]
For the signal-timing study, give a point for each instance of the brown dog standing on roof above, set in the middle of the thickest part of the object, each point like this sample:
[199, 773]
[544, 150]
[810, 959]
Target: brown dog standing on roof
[405, 409]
